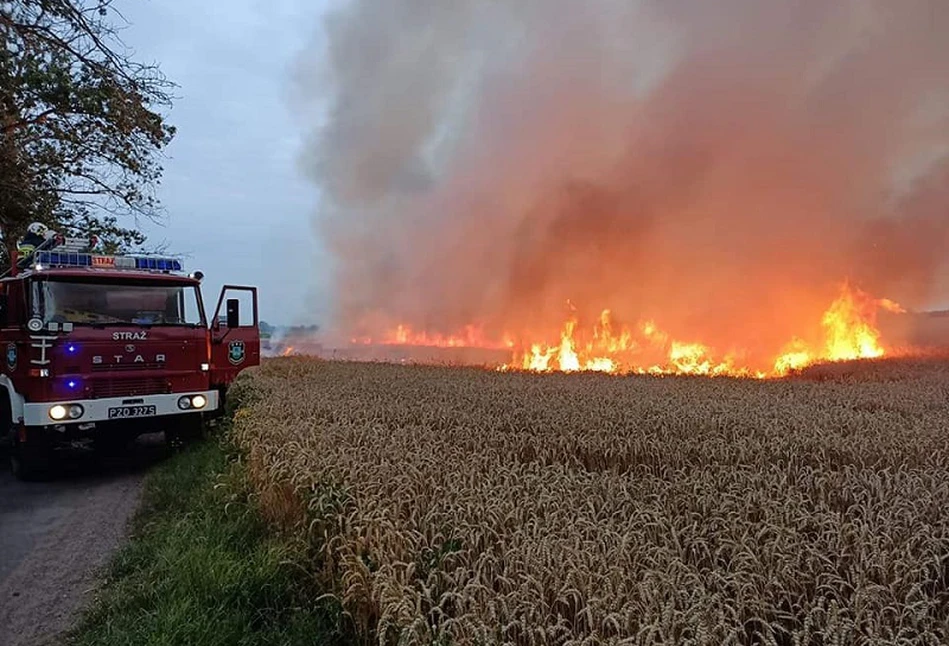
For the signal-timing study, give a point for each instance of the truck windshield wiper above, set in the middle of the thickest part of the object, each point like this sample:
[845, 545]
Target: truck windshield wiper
[103, 324]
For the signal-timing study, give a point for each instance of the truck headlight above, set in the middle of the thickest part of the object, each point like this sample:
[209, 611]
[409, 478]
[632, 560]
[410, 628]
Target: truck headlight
[184, 403]
[199, 401]
[58, 412]
[75, 411]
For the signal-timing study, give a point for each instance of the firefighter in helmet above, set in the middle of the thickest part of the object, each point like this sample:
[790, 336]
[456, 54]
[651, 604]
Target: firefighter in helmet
[38, 236]
[35, 236]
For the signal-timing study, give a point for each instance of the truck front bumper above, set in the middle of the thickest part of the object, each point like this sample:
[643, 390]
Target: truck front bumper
[111, 409]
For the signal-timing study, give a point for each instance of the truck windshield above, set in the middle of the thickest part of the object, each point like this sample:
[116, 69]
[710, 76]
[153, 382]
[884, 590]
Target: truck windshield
[118, 303]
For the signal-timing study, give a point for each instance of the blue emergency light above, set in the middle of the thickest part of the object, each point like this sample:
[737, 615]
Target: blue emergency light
[57, 259]
[67, 259]
[158, 264]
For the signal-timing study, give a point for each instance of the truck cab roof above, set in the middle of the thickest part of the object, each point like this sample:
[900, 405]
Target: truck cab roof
[92, 274]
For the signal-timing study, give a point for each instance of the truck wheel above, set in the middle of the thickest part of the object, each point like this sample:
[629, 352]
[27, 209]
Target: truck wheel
[30, 461]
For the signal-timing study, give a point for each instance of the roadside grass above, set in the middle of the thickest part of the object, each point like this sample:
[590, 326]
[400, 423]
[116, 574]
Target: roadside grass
[202, 568]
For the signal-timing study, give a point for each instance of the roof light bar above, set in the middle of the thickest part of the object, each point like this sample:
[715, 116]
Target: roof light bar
[146, 263]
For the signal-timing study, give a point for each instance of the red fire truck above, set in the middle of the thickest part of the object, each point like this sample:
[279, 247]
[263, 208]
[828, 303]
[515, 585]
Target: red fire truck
[102, 348]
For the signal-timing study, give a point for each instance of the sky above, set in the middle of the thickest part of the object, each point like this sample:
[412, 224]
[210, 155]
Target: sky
[237, 204]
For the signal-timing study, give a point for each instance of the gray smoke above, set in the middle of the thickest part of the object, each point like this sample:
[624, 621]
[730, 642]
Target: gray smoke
[718, 166]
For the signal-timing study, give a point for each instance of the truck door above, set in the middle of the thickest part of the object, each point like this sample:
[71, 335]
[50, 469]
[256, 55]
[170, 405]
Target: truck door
[235, 336]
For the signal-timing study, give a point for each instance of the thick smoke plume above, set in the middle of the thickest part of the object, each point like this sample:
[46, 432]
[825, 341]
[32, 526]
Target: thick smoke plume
[719, 167]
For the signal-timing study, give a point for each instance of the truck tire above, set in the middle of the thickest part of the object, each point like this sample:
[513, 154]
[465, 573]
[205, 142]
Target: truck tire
[6, 419]
[30, 461]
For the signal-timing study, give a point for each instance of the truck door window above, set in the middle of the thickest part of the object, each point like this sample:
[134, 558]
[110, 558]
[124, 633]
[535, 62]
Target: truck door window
[245, 301]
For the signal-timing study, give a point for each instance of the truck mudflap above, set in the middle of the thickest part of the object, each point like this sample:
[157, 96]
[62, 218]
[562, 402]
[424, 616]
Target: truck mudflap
[118, 409]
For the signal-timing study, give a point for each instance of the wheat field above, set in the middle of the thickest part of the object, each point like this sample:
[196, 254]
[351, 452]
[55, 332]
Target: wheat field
[464, 506]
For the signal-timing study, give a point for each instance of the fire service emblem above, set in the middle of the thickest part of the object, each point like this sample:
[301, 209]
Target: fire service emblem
[235, 352]
[11, 355]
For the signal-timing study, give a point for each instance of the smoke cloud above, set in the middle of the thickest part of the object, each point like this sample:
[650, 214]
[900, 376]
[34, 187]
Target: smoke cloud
[719, 167]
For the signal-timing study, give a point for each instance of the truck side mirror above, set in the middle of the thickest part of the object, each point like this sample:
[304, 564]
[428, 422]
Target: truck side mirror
[233, 313]
[4, 311]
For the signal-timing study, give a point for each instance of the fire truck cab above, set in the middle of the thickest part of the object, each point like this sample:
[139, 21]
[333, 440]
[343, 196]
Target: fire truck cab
[102, 348]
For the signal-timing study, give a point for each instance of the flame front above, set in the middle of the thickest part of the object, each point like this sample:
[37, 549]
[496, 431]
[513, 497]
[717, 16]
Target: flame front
[472, 336]
[849, 333]
[616, 353]
[847, 327]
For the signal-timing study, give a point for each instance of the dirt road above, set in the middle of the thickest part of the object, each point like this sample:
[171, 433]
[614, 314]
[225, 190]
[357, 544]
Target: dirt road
[55, 536]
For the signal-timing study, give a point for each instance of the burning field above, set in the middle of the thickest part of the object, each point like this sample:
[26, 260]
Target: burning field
[665, 191]
[851, 328]
[467, 506]
[680, 186]
[847, 331]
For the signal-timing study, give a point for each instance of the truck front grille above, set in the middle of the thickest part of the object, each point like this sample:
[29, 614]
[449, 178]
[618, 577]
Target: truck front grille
[118, 367]
[129, 387]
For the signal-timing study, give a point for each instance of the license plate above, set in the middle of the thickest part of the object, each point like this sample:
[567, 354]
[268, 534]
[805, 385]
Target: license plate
[122, 412]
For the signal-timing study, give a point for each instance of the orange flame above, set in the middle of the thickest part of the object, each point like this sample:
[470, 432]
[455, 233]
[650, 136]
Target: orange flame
[848, 328]
[472, 336]
[849, 333]
[605, 353]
